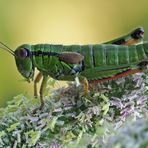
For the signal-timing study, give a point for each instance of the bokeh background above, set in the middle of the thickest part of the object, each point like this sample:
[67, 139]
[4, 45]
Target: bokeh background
[61, 22]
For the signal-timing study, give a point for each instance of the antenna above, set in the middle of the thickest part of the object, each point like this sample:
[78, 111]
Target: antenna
[5, 47]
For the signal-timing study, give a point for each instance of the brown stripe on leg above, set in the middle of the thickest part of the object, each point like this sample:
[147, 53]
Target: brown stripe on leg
[120, 75]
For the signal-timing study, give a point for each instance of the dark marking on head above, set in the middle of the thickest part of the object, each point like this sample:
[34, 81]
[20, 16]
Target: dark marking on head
[41, 53]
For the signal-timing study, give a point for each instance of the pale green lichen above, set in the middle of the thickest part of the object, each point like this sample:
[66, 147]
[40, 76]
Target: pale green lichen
[71, 120]
[132, 135]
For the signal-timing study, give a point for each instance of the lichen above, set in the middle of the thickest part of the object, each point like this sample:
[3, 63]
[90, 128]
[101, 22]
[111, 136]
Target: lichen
[70, 119]
[132, 135]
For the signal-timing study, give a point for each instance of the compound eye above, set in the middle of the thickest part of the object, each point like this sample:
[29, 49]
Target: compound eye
[22, 53]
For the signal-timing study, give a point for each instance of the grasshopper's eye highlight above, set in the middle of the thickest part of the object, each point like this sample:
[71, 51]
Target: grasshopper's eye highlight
[22, 53]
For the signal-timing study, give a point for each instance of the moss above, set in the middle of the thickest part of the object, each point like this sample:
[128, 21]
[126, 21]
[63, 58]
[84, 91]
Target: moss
[71, 120]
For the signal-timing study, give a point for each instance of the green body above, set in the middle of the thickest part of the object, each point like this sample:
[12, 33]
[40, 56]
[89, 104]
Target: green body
[92, 62]
[100, 60]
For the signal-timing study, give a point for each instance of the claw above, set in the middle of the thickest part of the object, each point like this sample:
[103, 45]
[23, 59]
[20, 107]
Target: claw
[38, 108]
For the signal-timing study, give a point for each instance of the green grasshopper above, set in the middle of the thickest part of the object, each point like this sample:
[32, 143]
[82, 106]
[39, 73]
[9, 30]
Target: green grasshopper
[97, 63]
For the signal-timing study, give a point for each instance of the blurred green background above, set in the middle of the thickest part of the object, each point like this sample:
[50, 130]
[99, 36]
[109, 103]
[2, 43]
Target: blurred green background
[61, 22]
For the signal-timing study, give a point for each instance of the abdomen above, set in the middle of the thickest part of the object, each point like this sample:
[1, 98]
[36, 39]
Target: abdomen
[98, 59]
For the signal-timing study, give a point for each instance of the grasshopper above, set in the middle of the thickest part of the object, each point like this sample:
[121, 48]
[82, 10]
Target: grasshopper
[97, 62]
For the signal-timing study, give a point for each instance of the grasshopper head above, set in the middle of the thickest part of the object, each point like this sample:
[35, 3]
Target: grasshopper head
[24, 61]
